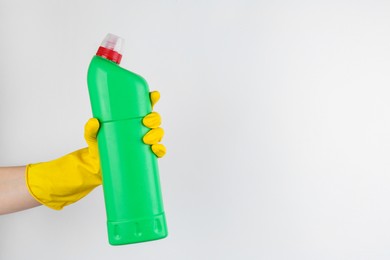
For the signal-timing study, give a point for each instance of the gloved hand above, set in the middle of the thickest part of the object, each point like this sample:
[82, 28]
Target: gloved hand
[65, 180]
[153, 121]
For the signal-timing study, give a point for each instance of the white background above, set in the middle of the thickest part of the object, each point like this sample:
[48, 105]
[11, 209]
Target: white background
[277, 120]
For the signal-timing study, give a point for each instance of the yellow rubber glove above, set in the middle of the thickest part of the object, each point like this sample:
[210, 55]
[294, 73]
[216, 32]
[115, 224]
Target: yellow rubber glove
[66, 180]
[153, 121]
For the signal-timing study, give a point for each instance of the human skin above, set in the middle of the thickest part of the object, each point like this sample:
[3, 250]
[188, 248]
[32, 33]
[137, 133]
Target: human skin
[14, 194]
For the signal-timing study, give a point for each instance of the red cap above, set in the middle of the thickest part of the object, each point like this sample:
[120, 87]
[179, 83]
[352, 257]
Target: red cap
[111, 48]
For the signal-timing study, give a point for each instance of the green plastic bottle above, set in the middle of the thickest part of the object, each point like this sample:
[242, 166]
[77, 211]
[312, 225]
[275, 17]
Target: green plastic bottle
[131, 185]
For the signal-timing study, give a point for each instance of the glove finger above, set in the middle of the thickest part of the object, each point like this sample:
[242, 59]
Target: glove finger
[90, 132]
[152, 120]
[91, 129]
[159, 150]
[154, 97]
[154, 136]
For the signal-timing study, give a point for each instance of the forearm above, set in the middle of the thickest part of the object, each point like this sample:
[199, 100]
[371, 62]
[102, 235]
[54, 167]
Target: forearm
[14, 194]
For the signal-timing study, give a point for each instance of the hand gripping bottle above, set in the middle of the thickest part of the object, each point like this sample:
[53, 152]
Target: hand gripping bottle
[119, 100]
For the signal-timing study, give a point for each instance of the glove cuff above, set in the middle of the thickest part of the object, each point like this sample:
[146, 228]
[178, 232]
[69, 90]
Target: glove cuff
[31, 185]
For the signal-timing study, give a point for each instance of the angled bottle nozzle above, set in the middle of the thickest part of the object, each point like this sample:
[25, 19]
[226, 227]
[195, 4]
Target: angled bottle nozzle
[111, 48]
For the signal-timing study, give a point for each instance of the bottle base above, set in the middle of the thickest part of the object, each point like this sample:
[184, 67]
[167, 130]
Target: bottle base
[137, 231]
